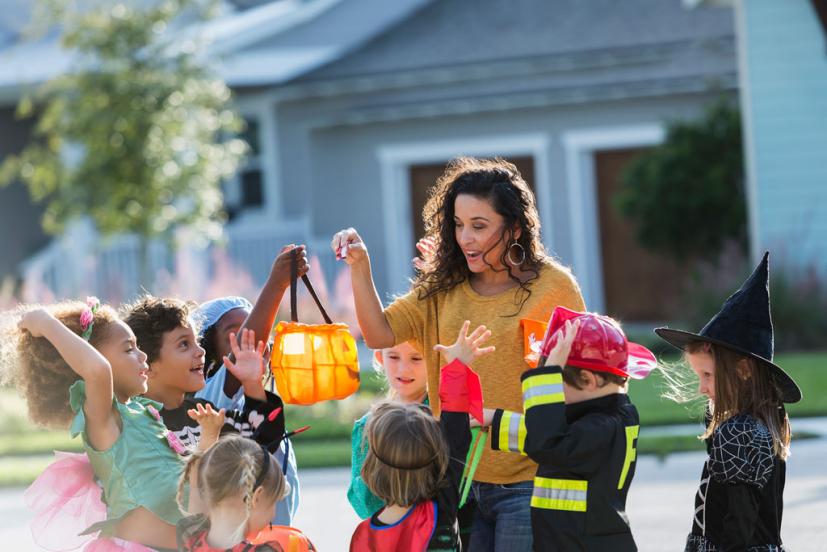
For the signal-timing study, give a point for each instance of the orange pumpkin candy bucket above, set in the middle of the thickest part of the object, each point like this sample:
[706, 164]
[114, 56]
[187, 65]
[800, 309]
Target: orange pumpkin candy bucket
[313, 362]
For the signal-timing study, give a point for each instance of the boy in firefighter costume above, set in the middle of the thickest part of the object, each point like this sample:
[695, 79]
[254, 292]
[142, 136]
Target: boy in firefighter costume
[581, 428]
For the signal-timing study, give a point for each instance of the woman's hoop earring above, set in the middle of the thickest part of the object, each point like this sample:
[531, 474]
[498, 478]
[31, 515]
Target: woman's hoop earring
[522, 254]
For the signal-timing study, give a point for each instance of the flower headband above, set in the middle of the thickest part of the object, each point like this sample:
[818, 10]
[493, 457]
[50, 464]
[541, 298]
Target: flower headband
[87, 317]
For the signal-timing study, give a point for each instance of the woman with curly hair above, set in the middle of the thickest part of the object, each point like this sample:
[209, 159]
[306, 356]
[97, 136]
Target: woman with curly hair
[488, 265]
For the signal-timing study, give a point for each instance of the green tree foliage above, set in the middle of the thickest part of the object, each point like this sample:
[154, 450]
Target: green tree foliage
[133, 135]
[686, 196]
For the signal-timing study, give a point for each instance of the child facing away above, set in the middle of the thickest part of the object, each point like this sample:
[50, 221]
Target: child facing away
[415, 463]
[740, 499]
[581, 428]
[238, 484]
[165, 331]
[404, 369]
[80, 364]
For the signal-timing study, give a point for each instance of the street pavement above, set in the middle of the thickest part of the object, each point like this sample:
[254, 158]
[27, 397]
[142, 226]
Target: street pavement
[660, 504]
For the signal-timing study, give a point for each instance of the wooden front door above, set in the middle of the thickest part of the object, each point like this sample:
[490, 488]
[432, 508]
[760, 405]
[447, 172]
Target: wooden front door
[424, 177]
[638, 285]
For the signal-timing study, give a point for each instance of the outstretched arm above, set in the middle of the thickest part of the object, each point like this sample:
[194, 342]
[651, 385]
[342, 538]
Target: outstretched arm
[376, 331]
[263, 316]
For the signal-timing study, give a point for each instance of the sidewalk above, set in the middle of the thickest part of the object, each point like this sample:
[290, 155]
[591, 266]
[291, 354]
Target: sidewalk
[817, 426]
[659, 508]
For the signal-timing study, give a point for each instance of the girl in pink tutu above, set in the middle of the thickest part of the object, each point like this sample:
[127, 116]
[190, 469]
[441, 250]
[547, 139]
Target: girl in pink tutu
[79, 366]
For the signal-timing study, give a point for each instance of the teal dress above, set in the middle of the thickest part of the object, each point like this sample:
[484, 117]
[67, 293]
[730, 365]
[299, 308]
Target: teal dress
[363, 501]
[139, 470]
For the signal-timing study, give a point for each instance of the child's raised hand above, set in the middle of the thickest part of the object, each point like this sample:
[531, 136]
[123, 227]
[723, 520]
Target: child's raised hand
[467, 347]
[207, 417]
[210, 421]
[35, 321]
[248, 367]
[559, 354]
[280, 272]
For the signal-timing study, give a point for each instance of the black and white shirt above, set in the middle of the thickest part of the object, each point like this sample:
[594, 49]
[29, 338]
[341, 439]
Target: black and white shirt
[244, 422]
[740, 499]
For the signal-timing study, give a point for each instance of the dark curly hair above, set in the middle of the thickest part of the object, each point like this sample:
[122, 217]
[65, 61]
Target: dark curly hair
[151, 317]
[42, 375]
[499, 182]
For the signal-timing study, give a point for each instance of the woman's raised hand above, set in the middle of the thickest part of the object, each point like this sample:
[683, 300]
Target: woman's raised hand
[349, 247]
[427, 249]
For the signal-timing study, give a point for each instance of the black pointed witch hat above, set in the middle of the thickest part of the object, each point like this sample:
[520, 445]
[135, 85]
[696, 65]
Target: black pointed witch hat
[744, 325]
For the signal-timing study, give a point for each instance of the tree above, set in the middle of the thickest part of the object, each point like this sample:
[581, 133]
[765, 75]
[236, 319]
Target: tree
[686, 196]
[135, 136]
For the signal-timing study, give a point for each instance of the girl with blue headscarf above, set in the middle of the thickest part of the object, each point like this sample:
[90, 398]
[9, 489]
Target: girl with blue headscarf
[219, 317]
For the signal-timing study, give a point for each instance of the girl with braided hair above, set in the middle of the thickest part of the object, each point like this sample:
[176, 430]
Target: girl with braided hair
[238, 483]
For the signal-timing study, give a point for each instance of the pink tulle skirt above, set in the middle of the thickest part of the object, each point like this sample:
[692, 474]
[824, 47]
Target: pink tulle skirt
[66, 500]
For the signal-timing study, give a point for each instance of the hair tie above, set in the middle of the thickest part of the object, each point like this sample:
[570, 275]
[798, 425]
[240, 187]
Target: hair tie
[265, 467]
[87, 316]
[409, 468]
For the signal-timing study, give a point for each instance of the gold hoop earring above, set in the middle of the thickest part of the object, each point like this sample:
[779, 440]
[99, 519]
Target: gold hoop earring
[522, 254]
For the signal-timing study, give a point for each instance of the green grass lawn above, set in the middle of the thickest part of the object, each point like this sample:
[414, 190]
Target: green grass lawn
[808, 369]
[25, 449]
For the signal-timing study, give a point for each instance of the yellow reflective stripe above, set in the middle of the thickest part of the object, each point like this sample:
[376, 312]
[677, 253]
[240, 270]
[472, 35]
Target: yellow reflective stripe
[542, 379]
[560, 494]
[557, 504]
[563, 484]
[505, 423]
[511, 436]
[631, 453]
[542, 389]
[552, 398]
[521, 433]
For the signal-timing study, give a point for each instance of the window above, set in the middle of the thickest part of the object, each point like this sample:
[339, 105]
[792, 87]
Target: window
[247, 190]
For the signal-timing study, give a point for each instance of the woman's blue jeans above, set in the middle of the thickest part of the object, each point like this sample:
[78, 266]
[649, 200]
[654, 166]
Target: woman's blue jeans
[503, 520]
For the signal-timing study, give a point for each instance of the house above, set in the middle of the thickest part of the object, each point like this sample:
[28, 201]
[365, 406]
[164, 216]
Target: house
[783, 79]
[354, 107]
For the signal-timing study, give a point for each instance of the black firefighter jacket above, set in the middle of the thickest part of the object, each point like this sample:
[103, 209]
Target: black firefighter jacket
[586, 454]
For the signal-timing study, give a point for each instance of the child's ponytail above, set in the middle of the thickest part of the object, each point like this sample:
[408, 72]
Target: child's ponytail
[192, 463]
[231, 467]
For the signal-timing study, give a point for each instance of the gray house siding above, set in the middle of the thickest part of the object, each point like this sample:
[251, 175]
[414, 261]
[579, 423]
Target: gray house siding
[19, 217]
[346, 188]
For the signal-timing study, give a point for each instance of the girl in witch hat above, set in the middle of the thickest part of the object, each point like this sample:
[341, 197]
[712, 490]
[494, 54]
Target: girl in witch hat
[740, 499]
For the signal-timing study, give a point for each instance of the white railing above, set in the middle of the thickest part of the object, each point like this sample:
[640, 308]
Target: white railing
[81, 263]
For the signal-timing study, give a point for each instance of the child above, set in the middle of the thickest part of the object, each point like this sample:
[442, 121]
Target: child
[80, 363]
[166, 334]
[404, 369]
[581, 428]
[239, 484]
[414, 462]
[225, 315]
[218, 319]
[740, 499]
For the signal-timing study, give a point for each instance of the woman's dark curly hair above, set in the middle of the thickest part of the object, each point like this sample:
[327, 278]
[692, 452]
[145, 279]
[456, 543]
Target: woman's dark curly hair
[499, 182]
